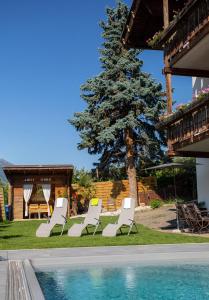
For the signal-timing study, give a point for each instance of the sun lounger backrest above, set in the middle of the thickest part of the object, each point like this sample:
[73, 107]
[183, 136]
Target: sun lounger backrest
[93, 212]
[180, 211]
[127, 214]
[193, 211]
[59, 212]
[197, 211]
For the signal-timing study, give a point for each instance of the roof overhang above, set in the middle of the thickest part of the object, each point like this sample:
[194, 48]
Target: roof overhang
[144, 20]
[49, 170]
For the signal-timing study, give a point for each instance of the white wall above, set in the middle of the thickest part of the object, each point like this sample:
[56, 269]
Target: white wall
[202, 169]
[199, 84]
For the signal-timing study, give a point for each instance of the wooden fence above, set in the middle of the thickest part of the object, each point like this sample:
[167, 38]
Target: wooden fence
[117, 190]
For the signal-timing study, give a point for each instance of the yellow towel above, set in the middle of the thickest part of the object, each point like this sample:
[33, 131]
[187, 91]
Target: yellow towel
[94, 201]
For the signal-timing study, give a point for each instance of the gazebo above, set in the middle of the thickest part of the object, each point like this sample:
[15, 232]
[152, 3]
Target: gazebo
[34, 188]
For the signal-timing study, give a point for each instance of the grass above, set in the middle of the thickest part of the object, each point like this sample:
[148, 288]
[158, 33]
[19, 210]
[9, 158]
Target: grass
[21, 235]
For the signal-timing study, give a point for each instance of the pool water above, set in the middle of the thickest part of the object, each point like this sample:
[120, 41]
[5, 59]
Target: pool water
[127, 283]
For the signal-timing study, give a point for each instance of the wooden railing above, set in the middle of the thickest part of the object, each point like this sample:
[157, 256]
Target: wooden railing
[190, 125]
[187, 127]
[190, 21]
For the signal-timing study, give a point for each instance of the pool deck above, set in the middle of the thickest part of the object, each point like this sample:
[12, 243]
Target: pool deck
[65, 257]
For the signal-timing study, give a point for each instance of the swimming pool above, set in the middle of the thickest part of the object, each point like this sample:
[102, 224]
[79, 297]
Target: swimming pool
[131, 282]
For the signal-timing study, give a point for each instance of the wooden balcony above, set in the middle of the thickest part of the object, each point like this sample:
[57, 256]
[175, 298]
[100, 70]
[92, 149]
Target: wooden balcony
[186, 40]
[188, 130]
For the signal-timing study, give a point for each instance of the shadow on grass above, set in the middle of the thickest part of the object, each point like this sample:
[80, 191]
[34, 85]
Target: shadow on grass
[7, 237]
[2, 226]
[58, 233]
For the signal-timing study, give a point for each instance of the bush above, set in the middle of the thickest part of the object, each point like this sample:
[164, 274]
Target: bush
[156, 203]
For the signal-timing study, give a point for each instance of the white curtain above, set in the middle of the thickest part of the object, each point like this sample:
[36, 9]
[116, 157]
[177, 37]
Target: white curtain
[47, 191]
[27, 192]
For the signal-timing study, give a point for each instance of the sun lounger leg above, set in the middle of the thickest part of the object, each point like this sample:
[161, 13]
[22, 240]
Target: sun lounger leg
[100, 223]
[95, 230]
[130, 228]
[136, 227]
[97, 226]
[63, 226]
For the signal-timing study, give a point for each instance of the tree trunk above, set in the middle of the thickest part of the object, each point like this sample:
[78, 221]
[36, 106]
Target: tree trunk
[130, 165]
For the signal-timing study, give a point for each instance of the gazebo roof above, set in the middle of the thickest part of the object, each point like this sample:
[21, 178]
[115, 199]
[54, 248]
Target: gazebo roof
[37, 170]
[145, 19]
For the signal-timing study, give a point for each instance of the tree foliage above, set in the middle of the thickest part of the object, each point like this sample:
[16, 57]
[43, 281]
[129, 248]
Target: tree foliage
[185, 178]
[122, 97]
[84, 180]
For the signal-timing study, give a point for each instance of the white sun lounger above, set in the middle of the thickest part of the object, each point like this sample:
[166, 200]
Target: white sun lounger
[58, 218]
[92, 219]
[126, 219]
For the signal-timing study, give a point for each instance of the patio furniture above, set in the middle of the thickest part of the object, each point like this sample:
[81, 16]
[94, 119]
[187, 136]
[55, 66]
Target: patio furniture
[91, 219]
[43, 209]
[190, 220]
[34, 210]
[201, 218]
[58, 218]
[126, 219]
[197, 221]
[181, 216]
[38, 209]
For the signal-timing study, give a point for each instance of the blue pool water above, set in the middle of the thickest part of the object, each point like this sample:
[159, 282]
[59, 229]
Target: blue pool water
[127, 283]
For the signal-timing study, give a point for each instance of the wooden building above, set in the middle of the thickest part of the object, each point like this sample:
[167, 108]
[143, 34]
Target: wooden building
[181, 30]
[34, 188]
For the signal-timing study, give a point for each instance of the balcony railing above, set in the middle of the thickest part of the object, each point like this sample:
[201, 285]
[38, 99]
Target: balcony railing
[187, 126]
[187, 24]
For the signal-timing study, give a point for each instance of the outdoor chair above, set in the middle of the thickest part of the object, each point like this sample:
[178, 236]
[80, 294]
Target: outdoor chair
[199, 218]
[91, 219]
[197, 221]
[126, 219]
[43, 209]
[190, 219]
[34, 210]
[181, 216]
[58, 218]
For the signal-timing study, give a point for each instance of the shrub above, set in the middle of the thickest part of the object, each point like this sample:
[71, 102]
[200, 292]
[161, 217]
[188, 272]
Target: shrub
[156, 203]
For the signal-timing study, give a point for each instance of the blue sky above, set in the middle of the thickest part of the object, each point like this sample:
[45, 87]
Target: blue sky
[48, 49]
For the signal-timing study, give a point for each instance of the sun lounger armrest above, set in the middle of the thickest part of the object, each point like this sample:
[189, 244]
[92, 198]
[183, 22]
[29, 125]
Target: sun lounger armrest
[131, 220]
[64, 218]
[204, 212]
[98, 220]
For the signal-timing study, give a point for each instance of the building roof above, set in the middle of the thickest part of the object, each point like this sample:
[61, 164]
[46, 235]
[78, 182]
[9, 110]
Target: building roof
[145, 19]
[37, 169]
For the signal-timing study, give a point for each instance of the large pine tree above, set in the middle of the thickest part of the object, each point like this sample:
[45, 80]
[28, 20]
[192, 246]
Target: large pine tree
[123, 105]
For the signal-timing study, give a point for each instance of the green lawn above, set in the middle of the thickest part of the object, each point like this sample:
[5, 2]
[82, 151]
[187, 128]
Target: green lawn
[21, 235]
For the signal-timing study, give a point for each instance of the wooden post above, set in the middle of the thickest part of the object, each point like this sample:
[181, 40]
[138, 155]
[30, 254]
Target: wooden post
[2, 210]
[130, 165]
[167, 76]
[165, 13]
[68, 196]
[10, 194]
